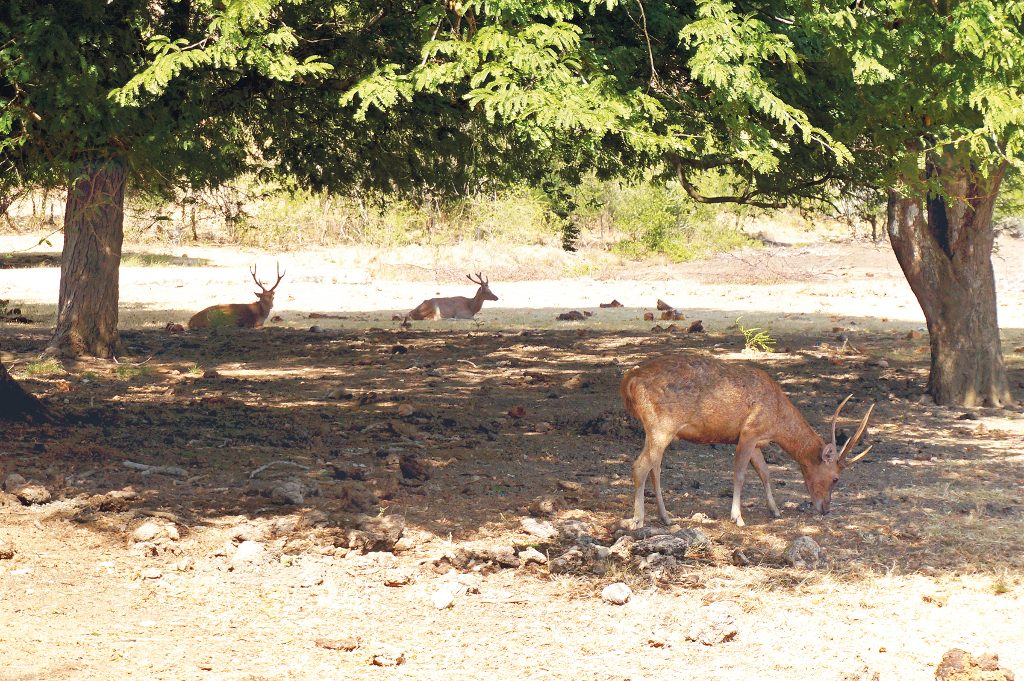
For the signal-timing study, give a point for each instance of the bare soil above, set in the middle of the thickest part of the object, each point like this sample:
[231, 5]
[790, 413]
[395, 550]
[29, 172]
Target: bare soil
[466, 429]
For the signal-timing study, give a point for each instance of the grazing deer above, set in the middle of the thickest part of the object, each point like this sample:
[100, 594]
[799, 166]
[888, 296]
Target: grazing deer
[456, 307]
[245, 315]
[704, 400]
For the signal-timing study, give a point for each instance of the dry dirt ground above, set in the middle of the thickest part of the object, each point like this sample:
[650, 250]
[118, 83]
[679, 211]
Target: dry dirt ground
[326, 491]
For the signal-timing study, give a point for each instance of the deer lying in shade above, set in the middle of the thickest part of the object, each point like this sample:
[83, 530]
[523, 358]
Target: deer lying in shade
[456, 307]
[704, 400]
[245, 315]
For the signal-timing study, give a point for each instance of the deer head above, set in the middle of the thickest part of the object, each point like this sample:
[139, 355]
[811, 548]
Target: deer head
[266, 295]
[485, 291]
[825, 475]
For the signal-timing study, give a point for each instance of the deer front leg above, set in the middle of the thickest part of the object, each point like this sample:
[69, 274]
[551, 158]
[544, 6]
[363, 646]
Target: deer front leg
[744, 453]
[762, 471]
[646, 464]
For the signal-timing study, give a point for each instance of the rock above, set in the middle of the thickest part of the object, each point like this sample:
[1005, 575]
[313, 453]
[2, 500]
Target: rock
[614, 303]
[657, 564]
[541, 529]
[572, 316]
[616, 594]
[348, 644]
[572, 562]
[476, 553]
[714, 624]
[376, 534]
[862, 674]
[648, 316]
[412, 468]
[576, 382]
[445, 596]
[804, 552]
[340, 394]
[14, 481]
[880, 363]
[547, 505]
[622, 549]
[151, 573]
[388, 657]
[31, 494]
[289, 492]
[248, 552]
[316, 328]
[211, 373]
[6, 550]
[739, 558]
[397, 577]
[155, 531]
[529, 555]
[959, 665]
[405, 410]
[664, 544]
[576, 530]
[696, 326]
[570, 485]
[247, 532]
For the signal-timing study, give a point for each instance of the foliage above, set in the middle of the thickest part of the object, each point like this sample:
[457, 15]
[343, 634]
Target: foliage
[757, 339]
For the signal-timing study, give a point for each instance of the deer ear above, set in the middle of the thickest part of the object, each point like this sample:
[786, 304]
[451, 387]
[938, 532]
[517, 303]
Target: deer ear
[829, 453]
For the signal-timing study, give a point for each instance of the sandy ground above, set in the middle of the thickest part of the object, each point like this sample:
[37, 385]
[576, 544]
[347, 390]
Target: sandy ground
[925, 543]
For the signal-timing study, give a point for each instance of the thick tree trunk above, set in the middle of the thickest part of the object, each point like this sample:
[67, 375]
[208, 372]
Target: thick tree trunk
[93, 232]
[16, 404]
[944, 246]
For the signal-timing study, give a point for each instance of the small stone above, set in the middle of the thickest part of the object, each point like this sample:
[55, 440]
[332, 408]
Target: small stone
[532, 555]
[696, 326]
[405, 410]
[32, 493]
[396, 578]
[959, 665]
[6, 550]
[248, 552]
[151, 531]
[339, 394]
[739, 558]
[14, 481]
[185, 564]
[664, 544]
[648, 316]
[247, 532]
[968, 416]
[151, 573]
[880, 363]
[347, 644]
[543, 427]
[570, 485]
[290, 492]
[804, 552]
[714, 624]
[445, 596]
[616, 594]
[541, 529]
[388, 657]
[316, 328]
[622, 549]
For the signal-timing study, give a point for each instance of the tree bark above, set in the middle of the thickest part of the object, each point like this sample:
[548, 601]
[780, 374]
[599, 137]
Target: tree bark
[93, 232]
[944, 245]
[16, 404]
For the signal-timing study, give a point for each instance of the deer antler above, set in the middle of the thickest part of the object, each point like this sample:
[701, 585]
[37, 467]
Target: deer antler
[852, 442]
[252, 271]
[280, 276]
[479, 279]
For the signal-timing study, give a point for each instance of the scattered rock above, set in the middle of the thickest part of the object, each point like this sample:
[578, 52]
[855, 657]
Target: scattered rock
[616, 594]
[211, 373]
[805, 553]
[405, 410]
[662, 305]
[914, 334]
[541, 529]
[572, 316]
[31, 494]
[376, 534]
[739, 558]
[289, 492]
[480, 553]
[174, 329]
[151, 573]
[622, 549]
[959, 665]
[339, 394]
[517, 412]
[247, 532]
[862, 674]
[576, 382]
[968, 416]
[248, 552]
[657, 565]
[695, 327]
[714, 624]
[397, 577]
[412, 468]
[445, 596]
[664, 544]
[347, 644]
[572, 562]
[529, 555]
[880, 363]
[570, 485]
[388, 657]
[6, 550]
[648, 316]
[154, 531]
[614, 303]
[316, 328]
[14, 481]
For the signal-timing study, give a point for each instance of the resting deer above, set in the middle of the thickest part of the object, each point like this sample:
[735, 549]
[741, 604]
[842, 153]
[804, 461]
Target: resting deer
[245, 315]
[704, 400]
[457, 307]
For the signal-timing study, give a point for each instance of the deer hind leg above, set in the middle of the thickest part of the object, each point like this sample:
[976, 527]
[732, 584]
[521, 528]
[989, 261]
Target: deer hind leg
[762, 472]
[744, 454]
[649, 464]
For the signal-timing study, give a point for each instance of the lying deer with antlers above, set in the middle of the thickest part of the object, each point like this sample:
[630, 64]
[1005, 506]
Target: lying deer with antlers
[704, 400]
[245, 315]
[457, 307]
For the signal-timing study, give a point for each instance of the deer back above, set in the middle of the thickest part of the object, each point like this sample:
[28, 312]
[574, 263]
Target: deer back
[702, 399]
[243, 315]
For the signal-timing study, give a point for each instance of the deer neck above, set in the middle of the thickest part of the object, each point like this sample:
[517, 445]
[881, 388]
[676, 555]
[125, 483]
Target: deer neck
[264, 305]
[797, 437]
[477, 301]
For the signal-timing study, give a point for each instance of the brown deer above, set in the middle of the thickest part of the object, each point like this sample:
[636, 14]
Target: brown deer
[245, 315]
[707, 401]
[456, 307]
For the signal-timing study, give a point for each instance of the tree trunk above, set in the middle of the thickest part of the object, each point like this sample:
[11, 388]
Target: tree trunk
[16, 404]
[93, 232]
[944, 245]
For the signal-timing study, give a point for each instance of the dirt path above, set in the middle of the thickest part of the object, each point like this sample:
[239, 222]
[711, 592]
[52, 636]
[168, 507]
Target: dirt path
[425, 459]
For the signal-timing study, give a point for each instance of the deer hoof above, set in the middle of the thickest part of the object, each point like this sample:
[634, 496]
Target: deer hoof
[738, 519]
[629, 524]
